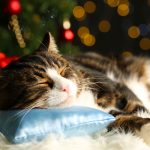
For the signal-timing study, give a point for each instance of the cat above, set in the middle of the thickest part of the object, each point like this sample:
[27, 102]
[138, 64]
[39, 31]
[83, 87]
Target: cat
[46, 79]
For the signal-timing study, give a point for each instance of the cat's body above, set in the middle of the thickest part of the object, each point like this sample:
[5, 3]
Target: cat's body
[46, 79]
[133, 72]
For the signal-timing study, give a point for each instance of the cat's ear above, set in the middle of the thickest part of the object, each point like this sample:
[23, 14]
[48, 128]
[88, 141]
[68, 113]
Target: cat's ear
[48, 43]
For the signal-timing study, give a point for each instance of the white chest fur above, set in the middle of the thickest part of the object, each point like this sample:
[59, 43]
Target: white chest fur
[86, 98]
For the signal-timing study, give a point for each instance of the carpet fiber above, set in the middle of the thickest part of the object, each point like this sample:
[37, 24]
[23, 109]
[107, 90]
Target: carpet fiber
[109, 141]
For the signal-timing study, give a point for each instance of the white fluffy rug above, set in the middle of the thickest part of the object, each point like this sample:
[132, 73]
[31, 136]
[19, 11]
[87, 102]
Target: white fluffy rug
[110, 141]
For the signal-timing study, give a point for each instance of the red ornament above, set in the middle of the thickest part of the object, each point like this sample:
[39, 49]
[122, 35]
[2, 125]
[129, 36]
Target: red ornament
[7, 60]
[2, 55]
[14, 6]
[69, 35]
[4, 62]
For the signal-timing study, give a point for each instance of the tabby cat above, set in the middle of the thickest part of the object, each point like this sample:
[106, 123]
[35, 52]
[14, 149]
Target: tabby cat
[47, 79]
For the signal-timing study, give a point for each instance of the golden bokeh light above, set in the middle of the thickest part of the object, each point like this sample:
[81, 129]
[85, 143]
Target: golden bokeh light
[88, 40]
[79, 12]
[112, 3]
[127, 54]
[123, 9]
[145, 44]
[133, 32]
[104, 26]
[82, 31]
[90, 6]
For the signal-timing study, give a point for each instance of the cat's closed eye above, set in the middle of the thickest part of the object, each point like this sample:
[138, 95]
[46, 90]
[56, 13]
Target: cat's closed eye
[45, 81]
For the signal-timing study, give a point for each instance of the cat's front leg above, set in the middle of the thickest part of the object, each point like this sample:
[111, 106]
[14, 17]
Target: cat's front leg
[137, 125]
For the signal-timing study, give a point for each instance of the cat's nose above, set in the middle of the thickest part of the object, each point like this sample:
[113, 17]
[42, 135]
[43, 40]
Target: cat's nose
[65, 89]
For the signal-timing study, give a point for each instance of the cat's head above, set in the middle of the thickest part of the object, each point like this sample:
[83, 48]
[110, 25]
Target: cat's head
[41, 79]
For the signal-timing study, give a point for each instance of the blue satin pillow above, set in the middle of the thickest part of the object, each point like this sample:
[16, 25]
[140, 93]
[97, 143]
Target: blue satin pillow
[20, 126]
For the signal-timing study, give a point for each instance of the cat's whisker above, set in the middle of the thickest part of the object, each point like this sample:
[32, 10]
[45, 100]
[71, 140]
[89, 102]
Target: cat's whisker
[87, 88]
[96, 77]
[26, 110]
[97, 81]
[90, 84]
[16, 115]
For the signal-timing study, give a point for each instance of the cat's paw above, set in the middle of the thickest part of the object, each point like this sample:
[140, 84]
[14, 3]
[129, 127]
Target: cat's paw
[145, 133]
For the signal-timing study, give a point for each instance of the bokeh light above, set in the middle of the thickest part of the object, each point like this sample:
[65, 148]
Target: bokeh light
[27, 35]
[90, 7]
[79, 12]
[69, 35]
[127, 54]
[88, 40]
[66, 24]
[148, 2]
[145, 44]
[104, 26]
[82, 31]
[124, 2]
[143, 29]
[148, 26]
[123, 9]
[14, 6]
[36, 18]
[112, 3]
[133, 32]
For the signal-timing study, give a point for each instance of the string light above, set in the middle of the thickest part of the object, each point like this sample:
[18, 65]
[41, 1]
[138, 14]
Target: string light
[145, 43]
[90, 6]
[79, 12]
[16, 28]
[123, 9]
[133, 32]
[66, 24]
[104, 26]
[82, 31]
[88, 40]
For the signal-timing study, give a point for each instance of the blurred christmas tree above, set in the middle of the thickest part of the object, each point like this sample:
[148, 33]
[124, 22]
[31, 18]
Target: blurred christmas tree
[24, 23]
